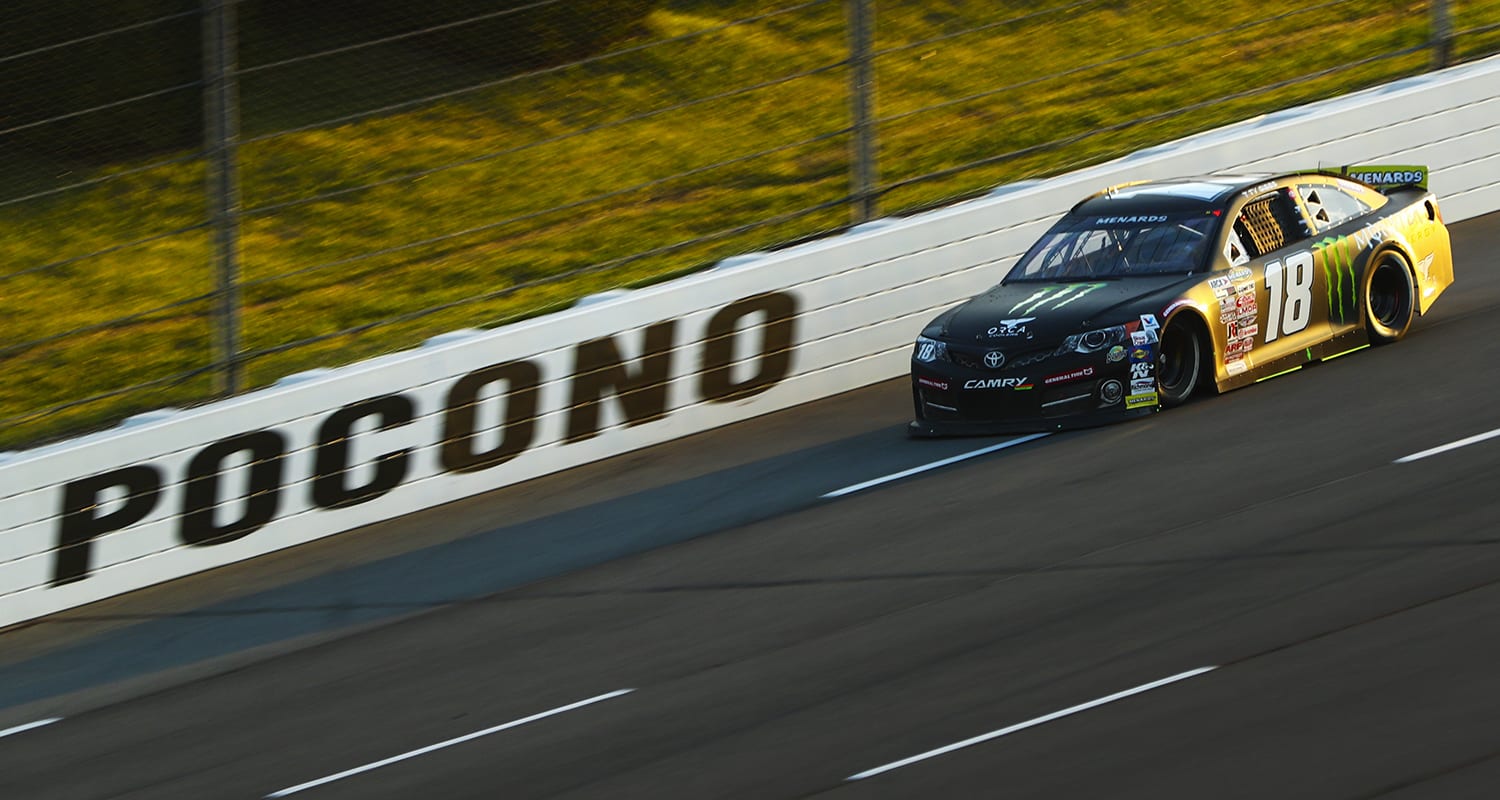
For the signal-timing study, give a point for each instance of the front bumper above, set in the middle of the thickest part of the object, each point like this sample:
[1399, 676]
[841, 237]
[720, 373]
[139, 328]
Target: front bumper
[951, 400]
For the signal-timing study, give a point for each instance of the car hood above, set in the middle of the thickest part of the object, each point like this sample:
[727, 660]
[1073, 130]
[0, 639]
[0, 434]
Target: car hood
[1026, 312]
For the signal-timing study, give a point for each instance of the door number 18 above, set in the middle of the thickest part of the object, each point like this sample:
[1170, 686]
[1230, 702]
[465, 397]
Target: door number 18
[1290, 287]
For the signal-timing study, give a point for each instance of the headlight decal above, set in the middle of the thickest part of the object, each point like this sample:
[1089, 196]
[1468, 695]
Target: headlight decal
[1094, 341]
[929, 350]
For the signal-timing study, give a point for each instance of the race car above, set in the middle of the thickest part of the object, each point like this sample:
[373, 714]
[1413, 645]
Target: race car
[1147, 293]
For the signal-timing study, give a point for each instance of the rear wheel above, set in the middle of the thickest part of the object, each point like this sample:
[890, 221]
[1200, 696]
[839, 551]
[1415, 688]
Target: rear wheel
[1179, 365]
[1390, 298]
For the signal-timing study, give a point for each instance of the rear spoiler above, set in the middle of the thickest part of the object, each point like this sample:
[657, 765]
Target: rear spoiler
[1388, 177]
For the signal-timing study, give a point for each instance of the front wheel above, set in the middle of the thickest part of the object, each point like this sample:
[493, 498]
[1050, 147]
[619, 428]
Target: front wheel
[1179, 366]
[1390, 298]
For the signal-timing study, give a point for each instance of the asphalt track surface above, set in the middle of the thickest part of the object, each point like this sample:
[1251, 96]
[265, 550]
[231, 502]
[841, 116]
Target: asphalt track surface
[779, 642]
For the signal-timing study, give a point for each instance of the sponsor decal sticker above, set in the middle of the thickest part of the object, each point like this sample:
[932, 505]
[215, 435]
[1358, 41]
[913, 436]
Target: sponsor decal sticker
[1116, 353]
[1219, 282]
[1129, 220]
[1338, 258]
[1424, 267]
[1245, 307]
[1389, 175]
[1143, 338]
[936, 384]
[997, 383]
[1142, 376]
[1240, 274]
[1059, 296]
[1236, 367]
[1240, 327]
[1070, 375]
[1008, 328]
[1148, 322]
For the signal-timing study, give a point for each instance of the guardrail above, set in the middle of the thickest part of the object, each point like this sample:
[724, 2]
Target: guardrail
[170, 494]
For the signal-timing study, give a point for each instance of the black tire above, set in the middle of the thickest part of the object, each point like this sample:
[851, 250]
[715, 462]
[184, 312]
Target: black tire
[1390, 298]
[1179, 364]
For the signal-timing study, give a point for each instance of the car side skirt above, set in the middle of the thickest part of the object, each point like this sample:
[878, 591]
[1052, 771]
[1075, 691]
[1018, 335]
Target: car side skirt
[1340, 345]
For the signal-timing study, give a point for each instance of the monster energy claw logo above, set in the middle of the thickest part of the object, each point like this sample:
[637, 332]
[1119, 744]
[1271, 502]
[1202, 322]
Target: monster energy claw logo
[1336, 260]
[1061, 295]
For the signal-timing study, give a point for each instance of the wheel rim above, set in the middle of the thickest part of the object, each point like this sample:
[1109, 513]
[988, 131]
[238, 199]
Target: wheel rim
[1390, 296]
[1178, 363]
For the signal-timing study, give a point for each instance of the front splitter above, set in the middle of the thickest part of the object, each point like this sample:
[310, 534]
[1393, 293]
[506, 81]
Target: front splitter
[923, 429]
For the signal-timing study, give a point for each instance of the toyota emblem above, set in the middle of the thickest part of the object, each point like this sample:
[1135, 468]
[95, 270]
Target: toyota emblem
[994, 359]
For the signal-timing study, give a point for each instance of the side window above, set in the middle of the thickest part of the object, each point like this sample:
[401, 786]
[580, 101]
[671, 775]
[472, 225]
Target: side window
[1235, 251]
[1269, 223]
[1328, 206]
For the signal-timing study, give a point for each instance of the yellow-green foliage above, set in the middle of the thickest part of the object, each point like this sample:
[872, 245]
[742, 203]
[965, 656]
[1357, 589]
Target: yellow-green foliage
[476, 203]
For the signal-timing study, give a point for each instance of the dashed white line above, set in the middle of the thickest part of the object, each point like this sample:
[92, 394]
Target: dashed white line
[906, 473]
[1031, 723]
[1475, 439]
[29, 726]
[449, 743]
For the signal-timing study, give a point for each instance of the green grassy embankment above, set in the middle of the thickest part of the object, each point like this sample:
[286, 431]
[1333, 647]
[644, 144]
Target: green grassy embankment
[480, 239]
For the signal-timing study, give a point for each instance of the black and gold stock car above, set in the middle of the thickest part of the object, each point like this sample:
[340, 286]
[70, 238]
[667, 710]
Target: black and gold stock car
[1146, 293]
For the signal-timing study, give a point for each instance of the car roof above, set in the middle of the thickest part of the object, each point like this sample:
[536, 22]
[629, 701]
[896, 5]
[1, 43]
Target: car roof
[1197, 192]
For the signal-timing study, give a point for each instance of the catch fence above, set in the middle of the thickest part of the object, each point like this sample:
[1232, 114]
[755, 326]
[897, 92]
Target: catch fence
[202, 199]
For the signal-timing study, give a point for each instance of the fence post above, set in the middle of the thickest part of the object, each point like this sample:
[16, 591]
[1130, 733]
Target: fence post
[1442, 35]
[221, 136]
[861, 88]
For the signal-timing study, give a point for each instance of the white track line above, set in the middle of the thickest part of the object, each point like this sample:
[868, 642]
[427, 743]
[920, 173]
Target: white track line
[934, 465]
[1029, 723]
[28, 726]
[1475, 439]
[440, 745]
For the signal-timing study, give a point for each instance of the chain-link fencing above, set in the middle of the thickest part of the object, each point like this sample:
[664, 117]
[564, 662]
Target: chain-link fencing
[203, 196]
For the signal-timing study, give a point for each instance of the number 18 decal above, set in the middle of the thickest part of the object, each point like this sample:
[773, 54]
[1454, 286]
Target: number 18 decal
[1291, 300]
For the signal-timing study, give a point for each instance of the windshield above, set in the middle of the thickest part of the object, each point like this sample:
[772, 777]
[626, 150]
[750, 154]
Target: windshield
[1088, 246]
